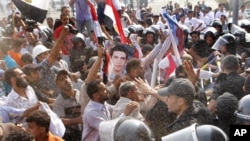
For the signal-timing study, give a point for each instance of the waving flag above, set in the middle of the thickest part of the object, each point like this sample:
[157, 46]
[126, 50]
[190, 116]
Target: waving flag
[176, 36]
[111, 12]
[97, 27]
[98, 33]
[33, 9]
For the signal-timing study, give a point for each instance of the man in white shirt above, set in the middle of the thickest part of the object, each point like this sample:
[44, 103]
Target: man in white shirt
[125, 19]
[188, 21]
[242, 13]
[98, 110]
[128, 92]
[220, 12]
[198, 24]
[22, 96]
[210, 15]
[192, 22]
[182, 20]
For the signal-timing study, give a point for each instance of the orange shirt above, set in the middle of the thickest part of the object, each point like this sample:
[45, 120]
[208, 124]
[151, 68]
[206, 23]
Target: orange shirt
[17, 57]
[54, 137]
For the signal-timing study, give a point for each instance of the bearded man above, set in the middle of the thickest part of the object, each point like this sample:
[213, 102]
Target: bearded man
[22, 96]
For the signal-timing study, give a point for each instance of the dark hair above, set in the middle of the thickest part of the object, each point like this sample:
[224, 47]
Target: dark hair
[119, 47]
[221, 4]
[231, 62]
[242, 5]
[63, 7]
[195, 32]
[125, 87]
[27, 58]
[231, 47]
[93, 87]
[168, 82]
[146, 48]
[132, 64]
[209, 34]
[180, 72]
[199, 48]
[196, 14]
[63, 15]
[8, 74]
[226, 105]
[77, 65]
[50, 18]
[41, 118]
[19, 135]
[182, 15]
[223, 16]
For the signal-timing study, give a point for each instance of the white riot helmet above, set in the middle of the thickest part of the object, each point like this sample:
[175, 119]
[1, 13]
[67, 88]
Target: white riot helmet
[125, 129]
[197, 132]
[243, 112]
[224, 40]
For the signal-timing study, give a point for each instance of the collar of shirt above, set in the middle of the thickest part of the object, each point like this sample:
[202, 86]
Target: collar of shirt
[99, 106]
[6, 57]
[125, 99]
[76, 96]
[16, 96]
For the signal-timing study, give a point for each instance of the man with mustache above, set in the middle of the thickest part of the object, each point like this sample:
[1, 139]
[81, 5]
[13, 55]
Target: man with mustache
[22, 96]
[67, 106]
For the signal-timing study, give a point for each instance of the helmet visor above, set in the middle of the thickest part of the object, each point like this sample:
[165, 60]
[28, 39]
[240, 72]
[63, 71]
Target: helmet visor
[185, 134]
[219, 43]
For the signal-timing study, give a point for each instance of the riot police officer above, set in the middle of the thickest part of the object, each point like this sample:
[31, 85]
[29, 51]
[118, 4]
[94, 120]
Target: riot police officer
[125, 129]
[243, 112]
[197, 132]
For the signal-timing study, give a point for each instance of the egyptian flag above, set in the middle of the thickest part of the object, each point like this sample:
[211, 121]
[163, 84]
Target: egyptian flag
[33, 9]
[99, 34]
[111, 12]
[97, 27]
[172, 66]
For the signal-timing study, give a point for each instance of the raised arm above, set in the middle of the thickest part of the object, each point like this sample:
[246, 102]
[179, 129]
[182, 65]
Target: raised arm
[144, 88]
[153, 54]
[55, 51]
[96, 66]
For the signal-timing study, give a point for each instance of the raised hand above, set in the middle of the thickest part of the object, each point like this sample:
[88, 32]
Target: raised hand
[192, 75]
[131, 107]
[143, 86]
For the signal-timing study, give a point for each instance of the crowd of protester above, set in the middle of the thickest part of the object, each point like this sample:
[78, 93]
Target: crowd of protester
[148, 87]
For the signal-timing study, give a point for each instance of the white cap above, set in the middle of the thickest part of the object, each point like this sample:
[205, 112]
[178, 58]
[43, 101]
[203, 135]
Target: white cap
[80, 35]
[38, 50]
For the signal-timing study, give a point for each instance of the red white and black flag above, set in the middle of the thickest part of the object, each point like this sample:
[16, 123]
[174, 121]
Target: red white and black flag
[33, 9]
[111, 12]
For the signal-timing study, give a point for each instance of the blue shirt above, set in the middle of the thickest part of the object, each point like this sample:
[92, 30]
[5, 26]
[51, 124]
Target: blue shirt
[10, 63]
[82, 10]
[10, 114]
[93, 115]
